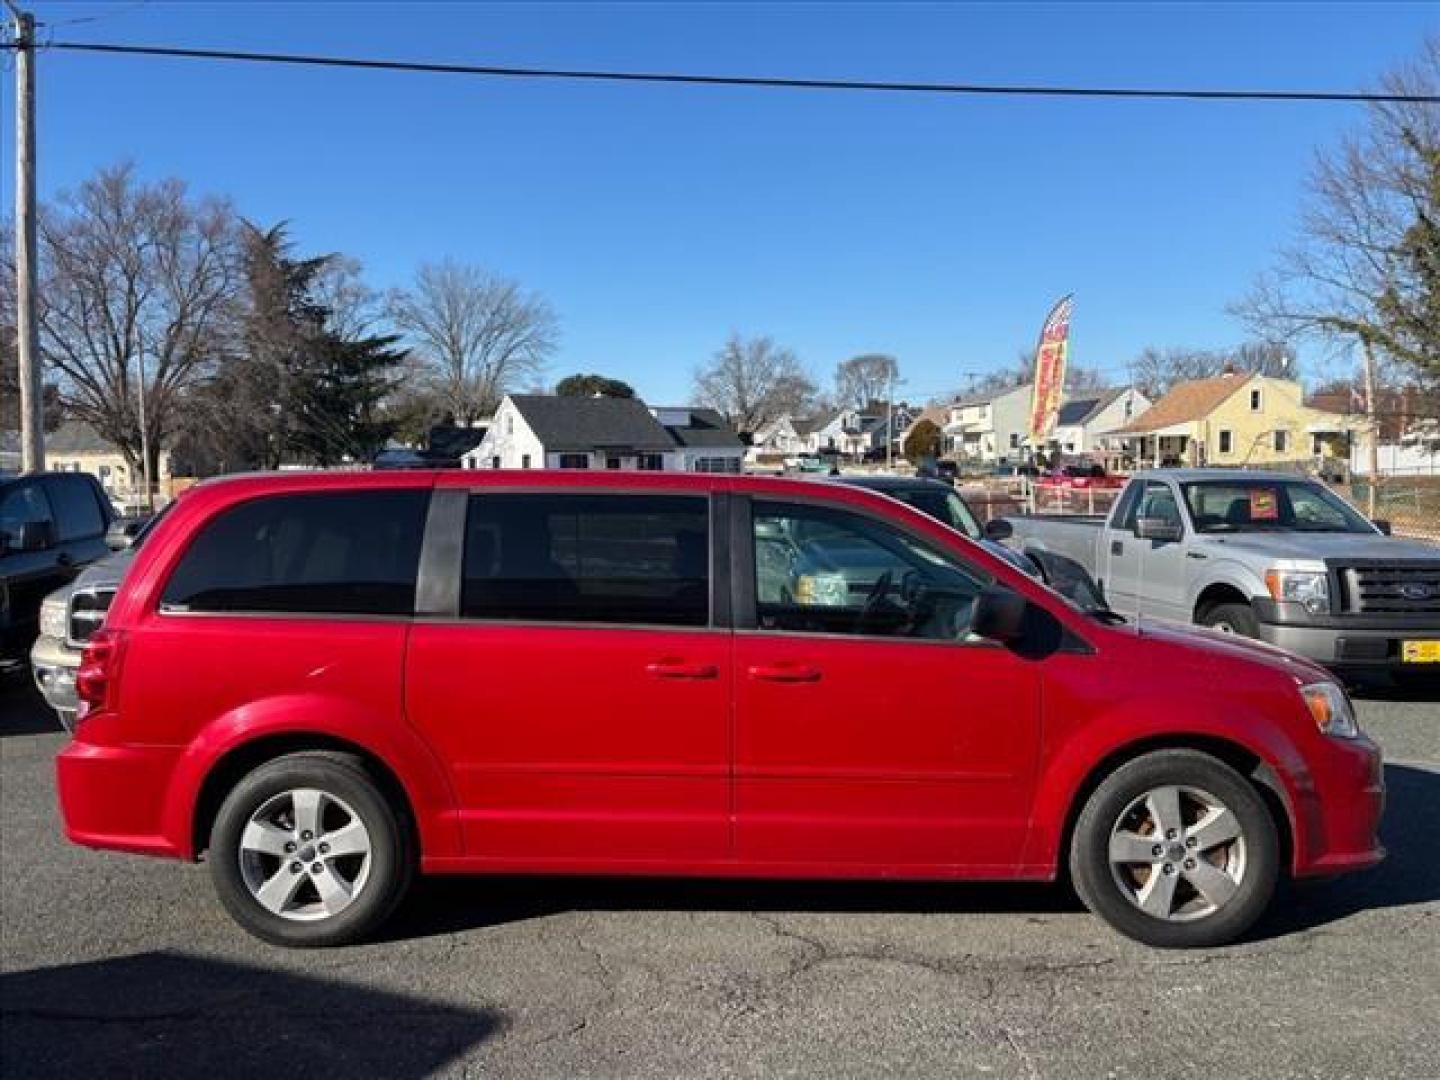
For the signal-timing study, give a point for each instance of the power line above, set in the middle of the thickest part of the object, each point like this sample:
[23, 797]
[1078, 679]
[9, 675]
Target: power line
[765, 82]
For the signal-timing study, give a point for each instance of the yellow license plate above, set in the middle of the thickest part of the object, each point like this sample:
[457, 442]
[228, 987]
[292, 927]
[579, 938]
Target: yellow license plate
[1420, 652]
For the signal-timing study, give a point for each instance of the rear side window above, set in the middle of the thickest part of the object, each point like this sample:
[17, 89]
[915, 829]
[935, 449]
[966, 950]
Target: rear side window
[77, 511]
[344, 553]
[640, 559]
[21, 503]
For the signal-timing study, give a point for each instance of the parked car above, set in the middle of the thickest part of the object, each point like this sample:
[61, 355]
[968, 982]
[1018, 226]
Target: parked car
[1264, 555]
[330, 682]
[73, 612]
[51, 526]
[1081, 478]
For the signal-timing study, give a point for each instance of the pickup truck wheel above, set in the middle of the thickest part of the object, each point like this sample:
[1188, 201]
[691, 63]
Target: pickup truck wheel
[307, 851]
[1176, 850]
[1231, 619]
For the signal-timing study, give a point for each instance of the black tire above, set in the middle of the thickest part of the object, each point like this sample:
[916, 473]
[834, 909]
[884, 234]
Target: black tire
[343, 777]
[1099, 887]
[1238, 618]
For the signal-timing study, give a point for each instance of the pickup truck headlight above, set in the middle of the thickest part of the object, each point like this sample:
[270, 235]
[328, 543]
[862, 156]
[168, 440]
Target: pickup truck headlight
[1309, 588]
[52, 618]
[1331, 709]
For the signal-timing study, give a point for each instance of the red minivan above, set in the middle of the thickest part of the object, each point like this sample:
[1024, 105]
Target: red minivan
[325, 683]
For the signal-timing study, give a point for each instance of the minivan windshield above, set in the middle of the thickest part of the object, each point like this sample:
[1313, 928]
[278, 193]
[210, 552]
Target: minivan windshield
[1243, 505]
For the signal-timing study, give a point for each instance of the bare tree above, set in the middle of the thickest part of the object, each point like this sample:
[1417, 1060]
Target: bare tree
[752, 381]
[479, 335]
[135, 277]
[1155, 371]
[1365, 267]
[864, 380]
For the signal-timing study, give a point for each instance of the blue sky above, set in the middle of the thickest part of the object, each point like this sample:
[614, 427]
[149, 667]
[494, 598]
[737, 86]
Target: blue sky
[659, 219]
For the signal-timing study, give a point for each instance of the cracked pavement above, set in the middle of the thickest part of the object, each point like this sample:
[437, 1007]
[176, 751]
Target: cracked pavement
[128, 966]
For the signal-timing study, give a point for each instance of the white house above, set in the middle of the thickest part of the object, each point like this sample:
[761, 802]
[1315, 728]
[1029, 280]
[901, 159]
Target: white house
[541, 431]
[774, 442]
[1085, 414]
[989, 427]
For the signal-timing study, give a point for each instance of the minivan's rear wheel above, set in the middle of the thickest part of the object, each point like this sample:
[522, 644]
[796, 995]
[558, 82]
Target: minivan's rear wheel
[1177, 850]
[307, 851]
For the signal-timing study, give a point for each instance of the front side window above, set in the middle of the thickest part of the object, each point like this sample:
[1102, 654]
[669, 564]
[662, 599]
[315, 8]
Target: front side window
[829, 571]
[581, 558]
[348, 553]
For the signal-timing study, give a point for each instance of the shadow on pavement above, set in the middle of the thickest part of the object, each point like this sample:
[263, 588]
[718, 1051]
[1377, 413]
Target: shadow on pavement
[1410, 874]
[166, 1014]
[1404, 686]
[448, 905]
[22, 710]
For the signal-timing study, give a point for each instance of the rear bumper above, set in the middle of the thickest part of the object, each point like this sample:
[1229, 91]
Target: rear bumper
[1343, 811]
[113, 796]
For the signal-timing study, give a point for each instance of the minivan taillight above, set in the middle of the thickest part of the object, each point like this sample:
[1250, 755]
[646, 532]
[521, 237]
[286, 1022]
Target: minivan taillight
[99, 671]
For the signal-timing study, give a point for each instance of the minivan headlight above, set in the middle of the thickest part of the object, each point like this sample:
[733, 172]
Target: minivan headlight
[52, 618]
[1310, 588]
[1330, 708]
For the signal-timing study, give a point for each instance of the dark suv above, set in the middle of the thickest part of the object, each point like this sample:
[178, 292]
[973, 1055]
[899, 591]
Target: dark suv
[51, 526]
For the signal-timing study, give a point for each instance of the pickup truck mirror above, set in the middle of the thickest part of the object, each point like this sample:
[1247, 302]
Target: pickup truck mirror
[999, 529]
[1382, 525]
[1156, 528]
[999, 614]
[34, 536]
[122, 532]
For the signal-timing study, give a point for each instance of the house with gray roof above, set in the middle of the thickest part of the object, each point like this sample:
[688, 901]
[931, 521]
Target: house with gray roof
[543, 431]
[1085, 415]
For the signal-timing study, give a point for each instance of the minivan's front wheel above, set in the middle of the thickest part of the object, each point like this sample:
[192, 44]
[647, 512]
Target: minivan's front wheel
[307, 851]
[1177, 850]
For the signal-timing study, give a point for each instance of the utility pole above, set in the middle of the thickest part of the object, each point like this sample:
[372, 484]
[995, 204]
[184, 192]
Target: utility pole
[32, 439]
[890, 425]
[1374, 443]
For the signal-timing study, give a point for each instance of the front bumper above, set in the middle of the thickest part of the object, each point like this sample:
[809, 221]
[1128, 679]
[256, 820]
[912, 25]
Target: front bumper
[54, 664]
[1343, 809]
[113, 796]
[1344, 641]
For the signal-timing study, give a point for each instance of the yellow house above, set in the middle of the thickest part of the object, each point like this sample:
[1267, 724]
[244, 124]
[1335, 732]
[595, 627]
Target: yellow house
[75, 447]
[1235, 419]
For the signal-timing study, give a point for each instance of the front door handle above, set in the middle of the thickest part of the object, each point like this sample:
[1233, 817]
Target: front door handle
[786, 673]
[679, 669]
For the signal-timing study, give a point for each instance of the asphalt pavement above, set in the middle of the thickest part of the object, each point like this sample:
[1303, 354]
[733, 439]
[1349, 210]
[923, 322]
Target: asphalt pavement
[124, 966]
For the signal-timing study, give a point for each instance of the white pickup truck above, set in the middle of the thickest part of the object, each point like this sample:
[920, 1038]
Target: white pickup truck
[1269, 555]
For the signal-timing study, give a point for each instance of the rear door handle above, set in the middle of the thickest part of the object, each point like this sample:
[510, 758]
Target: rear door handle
[1117, 547]
[787, 673]
[679, 669]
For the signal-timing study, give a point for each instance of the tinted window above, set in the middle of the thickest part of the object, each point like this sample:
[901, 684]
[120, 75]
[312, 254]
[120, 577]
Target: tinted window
[20, 503]
[588, 558]
[336, 552]
[77, 512]
[822, 570]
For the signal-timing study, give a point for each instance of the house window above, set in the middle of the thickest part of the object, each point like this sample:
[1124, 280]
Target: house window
[717, 465]
[574, 461]
[612, 462]
[1282, 441]
[1226, 442]
[495, 462]
[1254, 400]
[1317, 445]
[1014, 441]
[652, 462]
[509, 425]
[524, 461]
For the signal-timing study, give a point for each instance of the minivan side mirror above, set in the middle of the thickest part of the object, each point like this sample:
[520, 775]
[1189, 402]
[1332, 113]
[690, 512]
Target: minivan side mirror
[999, 614]
[35, 536]
[1382, 525]
[1156, 528]
[999, 529]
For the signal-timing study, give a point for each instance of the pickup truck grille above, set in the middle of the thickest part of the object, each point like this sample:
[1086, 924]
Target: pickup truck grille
[87, 612]
[1390, 589]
